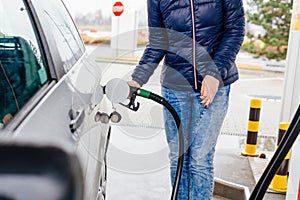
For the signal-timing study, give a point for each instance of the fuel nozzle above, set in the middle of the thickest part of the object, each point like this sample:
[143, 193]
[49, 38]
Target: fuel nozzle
[132, 105]
[118, 91]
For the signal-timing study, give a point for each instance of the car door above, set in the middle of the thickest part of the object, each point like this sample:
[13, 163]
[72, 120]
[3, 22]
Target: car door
[51, 94]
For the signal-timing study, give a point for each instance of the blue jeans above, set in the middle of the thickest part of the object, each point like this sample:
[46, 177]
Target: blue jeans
[201, 127]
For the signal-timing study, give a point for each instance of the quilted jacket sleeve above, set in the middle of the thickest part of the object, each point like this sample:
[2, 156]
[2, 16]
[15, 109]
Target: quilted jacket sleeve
[156, 49]
[233, 37]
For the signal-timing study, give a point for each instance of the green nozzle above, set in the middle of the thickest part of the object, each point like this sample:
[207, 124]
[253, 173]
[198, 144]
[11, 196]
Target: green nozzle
[144, 93]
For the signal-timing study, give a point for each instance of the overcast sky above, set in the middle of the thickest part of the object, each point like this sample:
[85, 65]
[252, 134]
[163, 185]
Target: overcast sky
[84, 6]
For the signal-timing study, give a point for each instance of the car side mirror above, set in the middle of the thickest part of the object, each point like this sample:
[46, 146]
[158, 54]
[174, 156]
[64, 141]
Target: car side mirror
[35, 172]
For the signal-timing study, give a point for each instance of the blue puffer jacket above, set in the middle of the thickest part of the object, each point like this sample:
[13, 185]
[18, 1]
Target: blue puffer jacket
[195, 38]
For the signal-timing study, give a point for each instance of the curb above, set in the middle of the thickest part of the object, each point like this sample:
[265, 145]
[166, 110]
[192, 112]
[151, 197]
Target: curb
[230, 190]
[266, 67]
[249, 66]
[119, 60]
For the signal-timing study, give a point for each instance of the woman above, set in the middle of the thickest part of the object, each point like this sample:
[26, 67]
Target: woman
[199, 41]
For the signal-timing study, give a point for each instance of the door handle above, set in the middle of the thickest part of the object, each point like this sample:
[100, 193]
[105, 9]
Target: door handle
[77, 118]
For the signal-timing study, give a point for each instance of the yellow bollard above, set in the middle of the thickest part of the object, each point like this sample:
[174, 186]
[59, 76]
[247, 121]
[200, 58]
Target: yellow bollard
[279, 182]
[253, 124]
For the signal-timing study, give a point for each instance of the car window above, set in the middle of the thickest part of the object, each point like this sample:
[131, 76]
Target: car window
[61, 30]
[22, 65]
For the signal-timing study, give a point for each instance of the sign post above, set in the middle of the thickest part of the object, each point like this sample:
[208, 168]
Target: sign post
[124, 30]
[118, 9]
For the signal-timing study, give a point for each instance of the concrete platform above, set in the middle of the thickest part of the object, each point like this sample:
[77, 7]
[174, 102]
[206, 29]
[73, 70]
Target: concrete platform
[245, 171]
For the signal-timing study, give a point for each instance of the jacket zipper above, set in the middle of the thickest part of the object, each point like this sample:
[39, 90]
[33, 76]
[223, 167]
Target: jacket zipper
[194, 44]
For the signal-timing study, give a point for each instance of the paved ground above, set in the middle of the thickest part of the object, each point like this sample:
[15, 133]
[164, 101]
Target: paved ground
[138, 163]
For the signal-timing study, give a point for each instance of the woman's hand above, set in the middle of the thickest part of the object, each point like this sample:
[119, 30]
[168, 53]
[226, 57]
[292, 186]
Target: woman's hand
[133, 87]
[134, 84]
[209, 89]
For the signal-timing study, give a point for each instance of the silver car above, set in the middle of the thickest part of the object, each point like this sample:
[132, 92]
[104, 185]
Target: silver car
[49, 97]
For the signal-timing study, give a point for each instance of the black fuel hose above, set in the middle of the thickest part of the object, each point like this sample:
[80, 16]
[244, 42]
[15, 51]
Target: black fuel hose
[285, 145]
[161, 100]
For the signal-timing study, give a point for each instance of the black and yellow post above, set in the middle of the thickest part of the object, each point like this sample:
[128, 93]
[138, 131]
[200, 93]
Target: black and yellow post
[279, 182]
[253, 124]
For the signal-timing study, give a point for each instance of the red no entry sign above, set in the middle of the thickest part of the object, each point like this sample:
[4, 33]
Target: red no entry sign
[118, 8]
